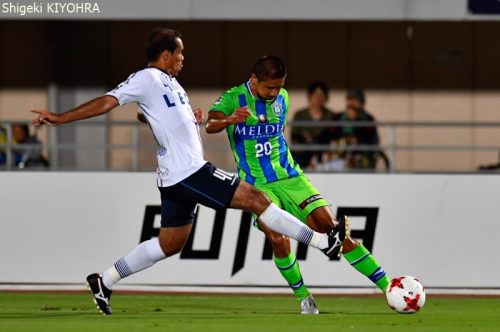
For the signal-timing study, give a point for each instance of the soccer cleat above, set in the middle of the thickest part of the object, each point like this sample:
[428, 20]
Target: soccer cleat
[336, 238]
[308, 306]
[102, 295]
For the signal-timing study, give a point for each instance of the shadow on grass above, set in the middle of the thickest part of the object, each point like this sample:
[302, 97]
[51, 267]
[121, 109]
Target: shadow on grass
[229, 314]
[44, 315]
[354, 313]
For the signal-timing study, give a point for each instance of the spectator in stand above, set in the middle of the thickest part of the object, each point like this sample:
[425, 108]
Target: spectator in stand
[26, 156]
[355, 111]
[3, 141]
[317, 95]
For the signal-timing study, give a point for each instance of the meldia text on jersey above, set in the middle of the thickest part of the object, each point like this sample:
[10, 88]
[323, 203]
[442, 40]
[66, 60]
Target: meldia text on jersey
[258, 131]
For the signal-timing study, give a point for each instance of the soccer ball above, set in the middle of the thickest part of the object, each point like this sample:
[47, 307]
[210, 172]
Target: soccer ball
[405, 295]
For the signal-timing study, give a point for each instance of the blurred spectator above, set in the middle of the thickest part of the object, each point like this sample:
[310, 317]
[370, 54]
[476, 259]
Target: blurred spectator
[355, 111]
[24, 156]
[3, 140]
[317, 94]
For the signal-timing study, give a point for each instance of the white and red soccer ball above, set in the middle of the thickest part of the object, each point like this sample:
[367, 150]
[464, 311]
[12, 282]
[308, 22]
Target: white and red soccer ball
[405, 295]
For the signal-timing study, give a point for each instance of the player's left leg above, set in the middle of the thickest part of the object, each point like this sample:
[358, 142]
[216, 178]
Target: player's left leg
[304, 201]
[170, 241]
[322, 219]
[177, 215]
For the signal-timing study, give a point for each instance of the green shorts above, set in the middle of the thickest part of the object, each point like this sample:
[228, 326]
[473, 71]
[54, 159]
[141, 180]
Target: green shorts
[295, 195]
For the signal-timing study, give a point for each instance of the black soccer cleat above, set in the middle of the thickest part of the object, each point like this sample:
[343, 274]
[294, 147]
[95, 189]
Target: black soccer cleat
[101, 294]
[336, 238]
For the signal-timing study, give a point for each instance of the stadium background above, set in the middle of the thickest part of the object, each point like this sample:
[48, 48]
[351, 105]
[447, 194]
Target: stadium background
[418, 61]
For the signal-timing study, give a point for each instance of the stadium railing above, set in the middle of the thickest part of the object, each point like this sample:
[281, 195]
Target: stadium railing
[53, 147]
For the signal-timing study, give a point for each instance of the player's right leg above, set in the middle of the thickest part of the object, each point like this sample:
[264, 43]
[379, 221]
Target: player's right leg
[219, 189]
[247, 197]
[288, 265]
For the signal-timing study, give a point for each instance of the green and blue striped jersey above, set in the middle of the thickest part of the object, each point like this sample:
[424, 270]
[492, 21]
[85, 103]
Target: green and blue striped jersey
[258, 145]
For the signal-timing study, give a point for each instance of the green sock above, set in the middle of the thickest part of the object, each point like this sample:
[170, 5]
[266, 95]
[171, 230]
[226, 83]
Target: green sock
[289, 269]
[361, 259]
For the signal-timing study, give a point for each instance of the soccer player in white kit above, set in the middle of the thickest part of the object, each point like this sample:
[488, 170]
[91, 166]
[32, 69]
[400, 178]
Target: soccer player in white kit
[184, 178]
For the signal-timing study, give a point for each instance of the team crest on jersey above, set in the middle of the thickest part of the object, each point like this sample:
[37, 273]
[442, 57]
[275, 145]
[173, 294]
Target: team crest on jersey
[277, 109]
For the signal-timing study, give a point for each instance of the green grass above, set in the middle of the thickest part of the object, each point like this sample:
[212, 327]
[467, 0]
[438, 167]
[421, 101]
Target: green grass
[76, 312]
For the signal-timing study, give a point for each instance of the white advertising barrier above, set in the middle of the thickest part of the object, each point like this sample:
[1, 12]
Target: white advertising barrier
[55, 228]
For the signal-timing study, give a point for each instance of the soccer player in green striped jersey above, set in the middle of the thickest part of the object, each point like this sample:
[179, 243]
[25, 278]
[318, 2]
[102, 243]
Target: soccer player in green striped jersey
[254, 116]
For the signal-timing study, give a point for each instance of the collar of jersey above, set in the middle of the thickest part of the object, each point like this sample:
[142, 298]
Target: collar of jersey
[166, 73]
[247, 85]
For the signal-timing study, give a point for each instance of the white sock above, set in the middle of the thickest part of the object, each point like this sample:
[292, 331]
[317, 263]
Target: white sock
[143, 256]
[284, 223]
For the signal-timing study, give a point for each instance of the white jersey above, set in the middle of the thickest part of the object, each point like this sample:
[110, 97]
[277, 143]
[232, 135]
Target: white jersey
[166, 107]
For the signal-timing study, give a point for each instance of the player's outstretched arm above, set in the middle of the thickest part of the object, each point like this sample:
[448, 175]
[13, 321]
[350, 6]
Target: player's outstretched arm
[90, 109]
[218, 121]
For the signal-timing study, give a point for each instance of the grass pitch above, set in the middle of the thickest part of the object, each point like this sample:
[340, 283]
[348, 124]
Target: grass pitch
[76, 312]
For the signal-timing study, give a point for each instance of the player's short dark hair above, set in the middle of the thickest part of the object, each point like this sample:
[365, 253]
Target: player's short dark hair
[269, 67]
[318, 85]
[161, 39]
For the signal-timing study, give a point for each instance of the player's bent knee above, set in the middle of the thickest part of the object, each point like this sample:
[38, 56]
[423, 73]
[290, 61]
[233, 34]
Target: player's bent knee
[259, 199]
[173, 239]
[321, 225]
[322, 220]
[249, 198]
